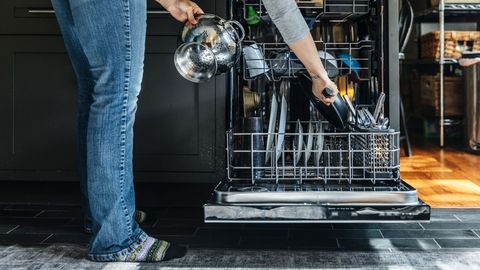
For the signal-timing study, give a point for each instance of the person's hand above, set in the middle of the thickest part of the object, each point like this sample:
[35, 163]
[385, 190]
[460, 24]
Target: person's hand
[319, 84]
[182, 10]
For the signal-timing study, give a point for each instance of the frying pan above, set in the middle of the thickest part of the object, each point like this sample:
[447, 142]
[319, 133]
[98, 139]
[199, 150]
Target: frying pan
[336, 113]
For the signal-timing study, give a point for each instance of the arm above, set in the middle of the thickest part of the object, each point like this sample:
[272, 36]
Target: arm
[291, 24]
[181, 10]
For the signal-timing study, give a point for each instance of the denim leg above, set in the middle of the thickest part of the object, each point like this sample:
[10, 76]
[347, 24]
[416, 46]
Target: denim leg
[85, 88]
[112, 36]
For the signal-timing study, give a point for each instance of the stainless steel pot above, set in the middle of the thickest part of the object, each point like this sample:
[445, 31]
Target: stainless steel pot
[218, 38]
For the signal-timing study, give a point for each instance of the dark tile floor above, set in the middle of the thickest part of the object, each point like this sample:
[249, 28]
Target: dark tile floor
[449, 229]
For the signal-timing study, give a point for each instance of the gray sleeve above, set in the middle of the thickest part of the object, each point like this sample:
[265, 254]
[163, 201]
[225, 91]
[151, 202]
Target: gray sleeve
[288, 19]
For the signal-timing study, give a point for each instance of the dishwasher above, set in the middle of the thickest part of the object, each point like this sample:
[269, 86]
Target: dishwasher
[287, 160]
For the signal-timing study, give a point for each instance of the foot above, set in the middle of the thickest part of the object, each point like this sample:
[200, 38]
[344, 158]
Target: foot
[155, 250]
[139, 216]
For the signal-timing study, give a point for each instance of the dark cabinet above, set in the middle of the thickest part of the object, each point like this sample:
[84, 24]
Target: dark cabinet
[177, 125]
[37, 105]
[36, 17]
[179, 130]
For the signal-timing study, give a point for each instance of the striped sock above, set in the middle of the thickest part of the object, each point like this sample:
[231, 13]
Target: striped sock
[155, 250]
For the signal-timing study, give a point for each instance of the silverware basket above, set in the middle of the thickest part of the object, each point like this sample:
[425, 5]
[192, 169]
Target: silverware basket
[345, 157]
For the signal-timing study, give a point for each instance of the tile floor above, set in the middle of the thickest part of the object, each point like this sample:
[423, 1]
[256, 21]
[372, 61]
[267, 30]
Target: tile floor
[37, 225]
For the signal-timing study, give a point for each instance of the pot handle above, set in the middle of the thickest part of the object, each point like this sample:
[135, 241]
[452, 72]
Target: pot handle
[234, 23]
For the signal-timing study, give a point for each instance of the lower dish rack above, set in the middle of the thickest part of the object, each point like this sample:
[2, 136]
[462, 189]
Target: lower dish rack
[353, 178]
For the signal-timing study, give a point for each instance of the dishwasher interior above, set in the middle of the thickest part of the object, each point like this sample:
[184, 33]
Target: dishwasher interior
[288, 158]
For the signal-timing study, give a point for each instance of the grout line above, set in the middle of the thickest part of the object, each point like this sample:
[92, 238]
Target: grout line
[14, 228]
[195, 233]
[338, 243]
[48, 237]
[155, 223]
[457, 218]
[39, 213]
[381, 233]
[421, 225]
[475, 233]
[434, 240]
[239, 240]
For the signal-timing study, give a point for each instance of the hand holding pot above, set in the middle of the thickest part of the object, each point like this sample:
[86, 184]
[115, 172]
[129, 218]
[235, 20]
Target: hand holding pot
[319, 85]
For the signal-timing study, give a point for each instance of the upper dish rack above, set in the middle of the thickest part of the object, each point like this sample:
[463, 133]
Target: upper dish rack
[278, 62]
[338, 10]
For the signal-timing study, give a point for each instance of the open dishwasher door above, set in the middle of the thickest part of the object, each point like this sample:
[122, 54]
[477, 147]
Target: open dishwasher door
[349, 177]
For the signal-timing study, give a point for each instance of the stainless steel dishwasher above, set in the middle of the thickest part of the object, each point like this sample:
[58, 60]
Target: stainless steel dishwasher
[285, 161]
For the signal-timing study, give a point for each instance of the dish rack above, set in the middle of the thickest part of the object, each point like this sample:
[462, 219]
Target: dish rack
[340, 10]
[353, 157]
[279, 63]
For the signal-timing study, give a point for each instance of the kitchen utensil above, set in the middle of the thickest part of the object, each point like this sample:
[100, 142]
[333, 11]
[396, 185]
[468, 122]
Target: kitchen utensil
[271, 127]
[330, 63]
[362, 120]
[349, 104]
[282, 124]
[297, 143]
[371, 85]
[195, 62]
[371, 119]
[378, 106]
[251, 101]
[385, 123]
[318, 143]
[254, 142]
[220, 36]
[255, 60]
[336, 113]
[308, 149]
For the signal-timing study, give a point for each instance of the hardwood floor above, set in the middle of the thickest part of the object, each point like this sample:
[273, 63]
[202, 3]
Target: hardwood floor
[444, 178]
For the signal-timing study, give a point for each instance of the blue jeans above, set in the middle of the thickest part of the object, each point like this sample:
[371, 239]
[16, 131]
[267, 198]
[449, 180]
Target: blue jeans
[105, 40]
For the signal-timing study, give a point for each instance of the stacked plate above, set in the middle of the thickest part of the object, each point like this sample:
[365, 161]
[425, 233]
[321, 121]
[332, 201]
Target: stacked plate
[314, 136]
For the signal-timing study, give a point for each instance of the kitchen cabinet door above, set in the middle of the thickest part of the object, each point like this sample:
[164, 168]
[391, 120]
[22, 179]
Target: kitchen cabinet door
[179, 130]
[180, 124]
[37, 106]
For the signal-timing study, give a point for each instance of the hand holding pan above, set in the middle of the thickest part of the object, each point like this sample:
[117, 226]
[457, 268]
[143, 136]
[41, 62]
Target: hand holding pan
[336, 113]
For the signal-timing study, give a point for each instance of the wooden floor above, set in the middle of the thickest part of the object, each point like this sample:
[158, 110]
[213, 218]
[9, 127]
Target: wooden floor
[444, 178]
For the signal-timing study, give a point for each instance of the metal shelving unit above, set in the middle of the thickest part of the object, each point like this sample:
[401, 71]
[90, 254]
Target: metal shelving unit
[450, 13]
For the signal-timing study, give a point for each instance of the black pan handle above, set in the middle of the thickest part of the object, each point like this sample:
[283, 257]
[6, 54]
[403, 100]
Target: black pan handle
[327, 92]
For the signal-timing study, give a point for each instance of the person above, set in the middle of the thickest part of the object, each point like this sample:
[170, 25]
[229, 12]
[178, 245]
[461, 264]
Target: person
[105, 41]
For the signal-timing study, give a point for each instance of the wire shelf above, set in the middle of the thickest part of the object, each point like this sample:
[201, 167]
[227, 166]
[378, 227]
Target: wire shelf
[338, 10]
[278, 62]
[346, 157]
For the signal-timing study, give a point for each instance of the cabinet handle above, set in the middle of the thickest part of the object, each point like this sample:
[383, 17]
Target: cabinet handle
[41, 11]
[157, 12]
[51, 11]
